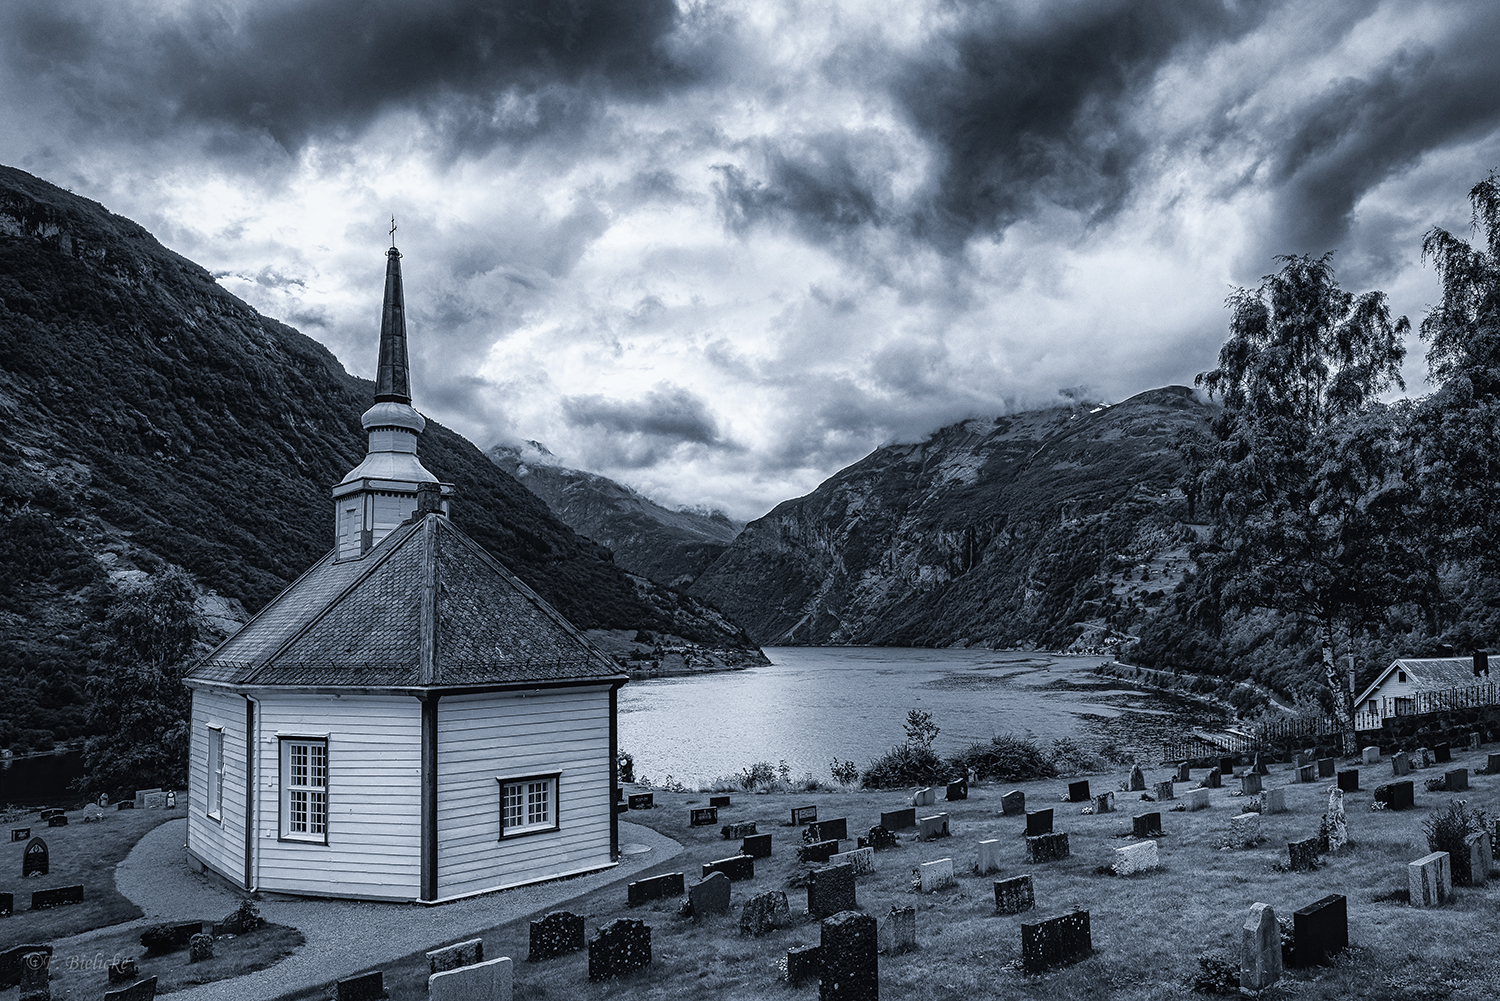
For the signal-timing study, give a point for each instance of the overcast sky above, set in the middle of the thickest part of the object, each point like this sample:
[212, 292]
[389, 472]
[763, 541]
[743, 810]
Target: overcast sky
[719, 250]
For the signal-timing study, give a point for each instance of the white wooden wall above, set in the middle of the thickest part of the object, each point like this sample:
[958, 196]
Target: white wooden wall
[219, 844]
[483, 737]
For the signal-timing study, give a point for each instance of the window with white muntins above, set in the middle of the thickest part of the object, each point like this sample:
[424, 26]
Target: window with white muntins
[214, 801]
[304, 789]
[528, 805]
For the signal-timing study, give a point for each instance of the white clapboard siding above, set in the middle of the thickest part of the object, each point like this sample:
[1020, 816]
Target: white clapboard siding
[374, 797]
[485, 737]
[219, 844]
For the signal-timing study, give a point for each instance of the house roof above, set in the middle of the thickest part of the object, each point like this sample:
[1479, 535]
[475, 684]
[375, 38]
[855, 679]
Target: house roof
[1428, 674]
[427, 607]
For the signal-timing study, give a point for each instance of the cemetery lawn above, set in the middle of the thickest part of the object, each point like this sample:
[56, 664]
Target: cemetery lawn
[1149, 930]
[86, 975]
[78, 854]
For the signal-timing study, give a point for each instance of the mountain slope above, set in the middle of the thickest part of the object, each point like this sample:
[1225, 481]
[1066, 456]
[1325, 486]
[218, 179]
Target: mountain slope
[672, 547]
[997, 531]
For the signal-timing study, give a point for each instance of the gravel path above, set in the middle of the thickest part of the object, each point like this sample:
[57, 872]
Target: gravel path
[343, 936]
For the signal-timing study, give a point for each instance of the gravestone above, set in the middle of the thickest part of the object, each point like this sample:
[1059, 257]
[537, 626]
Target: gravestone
[1396, 795]
[923, 797]
[620, 947]
[125, 804]
[48, 814]
[1213, 780]
[451, 957]
[200, 947]
[1325, 768]
[1226, 767]
[898, 933]
[1400, 764]
[1481, 858]
[1165, 790]
[1047, 847]
[58, 821]
[958, 790]
[931, 828]
[862, 860]
[1196, 799]
[1456, 780]
[1474, 741]
[933, 876]
[828, 830]
[879, 839]
[899, 820]
[1146, 825]
[20, 833]
[1260, 949]
[819, 852]
[34, 859]
[1139, 857]
[159, 939]
[709, 897]
[57, 897]
[1338, 824]
[1430, 879]
[1013, 802]
[718, 801]
[125, 971]
[1014, 895]
[1078, 792]
[667, 886]
[736, 868]
[143, 990]
[849, 947]
[155, 800]
[491, 981]
[171, 803]
[1321, 931]
[1491, 766]
[989, 857]
[1274, 801]
[557, 934]
[13, 963]
[704, 817]
[741, 831]
[1259, 766]
[1244, 830]
[1304, 854]
[756, 846]
[1137, 779]
[1184, 773]
[765, 912]
[830, 890]
[804, 815]
[1441, 753]
[1056, 942]
[642, 801]
[1104, 803]
[1349, 780]
[803, 964]
[1370, 756]
[35, 976]
[1039, 822]
[1249, 784]
[1305, 774]
[365, 987]
[7, 904]
[1421, 758]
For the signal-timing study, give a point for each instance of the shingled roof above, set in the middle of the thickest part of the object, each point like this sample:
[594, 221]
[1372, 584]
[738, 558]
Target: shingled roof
[427, 607]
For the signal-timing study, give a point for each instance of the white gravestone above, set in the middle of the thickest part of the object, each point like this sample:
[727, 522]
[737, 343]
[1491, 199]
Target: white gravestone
[1371, 755]
[488, 981]
[1338, 825]
[1244, 831]
[1430, 879]
[862, 859]
[935, 875]
[1260, 949]
[1139, 857]
[1196, 799]
[989, 856]
[1274, 801]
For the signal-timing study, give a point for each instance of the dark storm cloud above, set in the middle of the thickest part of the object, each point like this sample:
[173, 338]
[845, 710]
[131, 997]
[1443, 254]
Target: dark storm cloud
[646, 431]
[296, 68]
[819, 185]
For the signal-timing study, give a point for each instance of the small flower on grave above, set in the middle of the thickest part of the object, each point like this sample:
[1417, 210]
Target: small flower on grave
[1087, 809]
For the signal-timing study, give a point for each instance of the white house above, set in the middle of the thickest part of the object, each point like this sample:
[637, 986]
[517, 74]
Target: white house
[407, 721]
[1408, 685]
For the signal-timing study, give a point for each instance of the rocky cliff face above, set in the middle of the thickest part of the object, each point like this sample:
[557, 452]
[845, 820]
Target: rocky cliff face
[1004, 531]
[672, 547]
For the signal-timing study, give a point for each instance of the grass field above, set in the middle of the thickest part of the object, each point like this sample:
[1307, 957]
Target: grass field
[1149, 930]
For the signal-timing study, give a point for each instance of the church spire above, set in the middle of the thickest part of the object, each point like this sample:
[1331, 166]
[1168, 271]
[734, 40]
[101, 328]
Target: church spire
[393, 374]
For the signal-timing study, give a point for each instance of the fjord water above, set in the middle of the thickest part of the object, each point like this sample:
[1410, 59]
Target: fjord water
[816, 703]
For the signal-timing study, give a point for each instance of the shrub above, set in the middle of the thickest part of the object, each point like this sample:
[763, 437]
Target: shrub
[1007, 758]
[1216, 975]
[1446, 830]
[762, 773]
[921, 731]
[845, 773]
[905, 765]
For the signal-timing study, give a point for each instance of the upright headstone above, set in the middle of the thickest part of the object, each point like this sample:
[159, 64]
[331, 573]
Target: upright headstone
[1137, 779]
[1349, 780]
[899, 820]
[1492, 764]
[1165, 790]
[642, 801]
[989, 857]
[34, 859]
[667, 886]
[1014, 895]
[200, 947]
[1481, 858]
[803, 964]
[1259, 766]
[1055, 942]
[1370, 756]
[830, 890]
[20, 833]
[1304, 854]
[1078, 792]
[1325, 768]
[1013, 802]
[934, 876]
[879, 839]
[1430, 879]
[1214, 779]
[1456, 780]
[1305, 774]
[738, 831]
[483, 981]
[862, 860]
[619, 948]
[707, 816]
[1147, 825]
[736, 867]
[1249, 784]
[898, 933]
[1196, 799]
[1320, 931]
[1338, 825]
[141, 990]
[1047, 847]
[557, 934]
[1396, 795]
[155, 800]
[819, 852]
[930, 828]
[709, 897]
[1244, 830]
[828, 830]
[60, 820]
[124, 971]
[365, 987]
[1474, 741]
[1226, 767]
[849, 946]
[1184, 773]
[1421, 758]
[923, 797]
[7, 904]
[1441, 753]
[804, 815]
[958, 790]
[718, 801]
[35, 976]
[1260, 949]
[1275, 801]
[451, 957]
[1104, 803]
[1039, 822]
[756, 846]
[58, 896]
[764, 913]
[1139, 857]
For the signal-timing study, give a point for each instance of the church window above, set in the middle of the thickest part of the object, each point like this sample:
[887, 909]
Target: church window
[528, 805]
[214, 801]
[304, 789]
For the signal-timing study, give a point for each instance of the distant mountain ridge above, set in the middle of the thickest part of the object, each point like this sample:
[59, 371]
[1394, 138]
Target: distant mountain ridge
[998, 531]
[671, 547]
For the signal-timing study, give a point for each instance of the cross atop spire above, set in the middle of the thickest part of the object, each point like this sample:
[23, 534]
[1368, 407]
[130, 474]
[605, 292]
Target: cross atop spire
[393, 232]
[392, 375]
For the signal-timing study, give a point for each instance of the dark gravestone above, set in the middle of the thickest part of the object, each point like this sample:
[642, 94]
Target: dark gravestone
[756, 846]
[828, 830]
[7, 904]
[710, 896]
[1013, 802]
[1226, 766]
[1184, 773]
[765, 912]
[642, 801]
[958, 790]
[850, 946]
[365, 987]
[57, 821]
[804, 815]
[1078, 792]
[1349, 780]
[620, 947]
[1304, 854]
[22, 833]
[143, 990]
[830, 890]
[57, 897]
[1146, 825]
[718, 801]
[736, 868]
[1456, 780]
[161, 939]
[731, 831]
[1014, 895]
[47, 815]
[1214, 779]
[127, 804]
[124, 972]
[899, 820]
[803, 964]
[1259, 767]
[706, 817]
[34, 859]
[1056, 942]
[1039, 822]
[1441, 752]
[1325, 768]
[13, 961]
[557, 934]
[879, 839]
[1397, 795]
[818, 852]
[1047, 847]
[664, 887]
[35, 976]
[200, 948]
[1320, 931]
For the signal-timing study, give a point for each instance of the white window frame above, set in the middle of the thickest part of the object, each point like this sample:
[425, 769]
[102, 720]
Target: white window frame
[214, 800]
[522, 793]
[312, 828]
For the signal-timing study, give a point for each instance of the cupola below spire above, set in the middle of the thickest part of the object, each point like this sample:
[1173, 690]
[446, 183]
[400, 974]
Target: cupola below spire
[382, 491]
